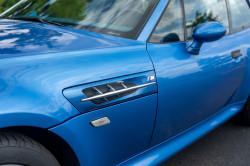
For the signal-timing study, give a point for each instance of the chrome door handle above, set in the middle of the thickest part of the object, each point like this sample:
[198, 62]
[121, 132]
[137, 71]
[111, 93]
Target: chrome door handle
[236, 54]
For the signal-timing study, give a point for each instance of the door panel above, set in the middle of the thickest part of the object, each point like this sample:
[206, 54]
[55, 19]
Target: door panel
[192, 88]
[244, 90]
[240, 22]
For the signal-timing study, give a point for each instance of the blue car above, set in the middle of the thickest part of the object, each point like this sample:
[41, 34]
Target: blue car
[119, 82]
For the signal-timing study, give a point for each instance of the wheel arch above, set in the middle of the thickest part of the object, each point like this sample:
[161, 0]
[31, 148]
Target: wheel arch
[61, 150]
[27, 119]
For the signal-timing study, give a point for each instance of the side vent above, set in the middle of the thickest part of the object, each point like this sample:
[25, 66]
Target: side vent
[110, 92]
[94, 94]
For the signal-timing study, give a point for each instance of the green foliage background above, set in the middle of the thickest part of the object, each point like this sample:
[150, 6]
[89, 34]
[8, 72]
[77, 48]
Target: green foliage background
[66, 9]
[6, 4]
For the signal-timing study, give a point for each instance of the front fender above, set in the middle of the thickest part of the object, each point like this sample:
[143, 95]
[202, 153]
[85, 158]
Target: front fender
[25, 106]
[31, 86]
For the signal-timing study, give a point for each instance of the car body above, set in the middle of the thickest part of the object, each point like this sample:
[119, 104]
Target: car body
[44, 70]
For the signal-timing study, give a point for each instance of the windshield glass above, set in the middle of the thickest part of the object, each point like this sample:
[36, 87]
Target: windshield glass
[123, 18]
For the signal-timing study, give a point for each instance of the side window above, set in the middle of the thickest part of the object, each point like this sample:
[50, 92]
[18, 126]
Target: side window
[200, 11]
[170, 27]
[240, 14]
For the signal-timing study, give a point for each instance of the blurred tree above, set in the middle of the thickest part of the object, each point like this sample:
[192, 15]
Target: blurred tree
[6, 4]
[199, 19]
[202, 18]
[71, 9]
[66, 9]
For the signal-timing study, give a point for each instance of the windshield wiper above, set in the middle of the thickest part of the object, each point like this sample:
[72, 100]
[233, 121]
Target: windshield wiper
[36, 19]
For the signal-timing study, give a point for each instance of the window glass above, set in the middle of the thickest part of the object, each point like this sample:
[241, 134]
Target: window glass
[200, 11]
[240, 13]
[123, 18]
[170, 28]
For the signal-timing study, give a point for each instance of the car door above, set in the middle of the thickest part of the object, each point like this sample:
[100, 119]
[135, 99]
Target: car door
[191, 88]
[239, 11]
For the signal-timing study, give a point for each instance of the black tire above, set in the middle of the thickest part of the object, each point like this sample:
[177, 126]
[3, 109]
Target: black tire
[244, 116]
[16, 148]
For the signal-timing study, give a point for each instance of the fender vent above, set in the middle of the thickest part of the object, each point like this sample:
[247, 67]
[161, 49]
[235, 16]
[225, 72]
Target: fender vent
[112, 87]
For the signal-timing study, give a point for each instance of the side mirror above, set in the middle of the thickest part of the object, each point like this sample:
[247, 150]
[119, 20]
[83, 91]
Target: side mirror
[206, 32]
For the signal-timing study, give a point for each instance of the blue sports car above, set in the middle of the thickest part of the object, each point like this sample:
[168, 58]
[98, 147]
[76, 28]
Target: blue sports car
[119, 82]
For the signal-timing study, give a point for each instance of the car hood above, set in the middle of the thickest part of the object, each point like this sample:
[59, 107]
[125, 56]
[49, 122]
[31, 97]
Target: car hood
[22, 38]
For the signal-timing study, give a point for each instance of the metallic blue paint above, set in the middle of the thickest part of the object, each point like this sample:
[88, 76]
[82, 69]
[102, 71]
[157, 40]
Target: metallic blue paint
[22, 38]
[38, 62]
[206, 32]
[243, 92]
[75, 94]
[43, 69]
[165, 150]
[128, 133]
[192, 88]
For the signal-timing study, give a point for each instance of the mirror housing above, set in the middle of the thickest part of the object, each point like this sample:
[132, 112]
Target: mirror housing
[206, 32]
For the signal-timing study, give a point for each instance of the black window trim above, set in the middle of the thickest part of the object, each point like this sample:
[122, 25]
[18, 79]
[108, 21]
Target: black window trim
[184, 19]
[229, 16]
[231, 31]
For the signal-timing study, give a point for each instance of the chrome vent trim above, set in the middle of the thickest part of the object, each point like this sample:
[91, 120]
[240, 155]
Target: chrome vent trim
[112, 92]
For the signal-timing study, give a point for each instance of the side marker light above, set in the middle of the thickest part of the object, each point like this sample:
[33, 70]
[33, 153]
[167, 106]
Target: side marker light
[100, 122]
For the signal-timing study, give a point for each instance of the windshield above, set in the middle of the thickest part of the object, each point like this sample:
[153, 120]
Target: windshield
[123, 18]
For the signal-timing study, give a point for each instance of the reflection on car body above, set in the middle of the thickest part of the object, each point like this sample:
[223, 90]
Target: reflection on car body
[119, 82]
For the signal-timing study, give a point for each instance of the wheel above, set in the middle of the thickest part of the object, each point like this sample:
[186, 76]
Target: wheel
[19, 150]
[244, 116]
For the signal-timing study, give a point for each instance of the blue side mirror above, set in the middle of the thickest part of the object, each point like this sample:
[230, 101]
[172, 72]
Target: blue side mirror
[206, 32]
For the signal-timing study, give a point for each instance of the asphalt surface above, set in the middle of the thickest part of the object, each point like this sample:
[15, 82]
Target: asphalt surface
[228, 145]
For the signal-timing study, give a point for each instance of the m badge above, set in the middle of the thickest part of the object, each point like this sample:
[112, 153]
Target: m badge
[150, 78]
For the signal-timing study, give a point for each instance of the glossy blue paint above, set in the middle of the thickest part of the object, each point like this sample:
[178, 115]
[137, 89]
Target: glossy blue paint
[165, 150]
[75, 94]
[38, 62]
[127, 135]
[243, 92]
[43, 69]
[146, 32]
[192, 88]
[22, 38]
[206, 32]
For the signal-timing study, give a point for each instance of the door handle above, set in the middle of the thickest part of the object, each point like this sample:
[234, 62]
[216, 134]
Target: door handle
[236, 54]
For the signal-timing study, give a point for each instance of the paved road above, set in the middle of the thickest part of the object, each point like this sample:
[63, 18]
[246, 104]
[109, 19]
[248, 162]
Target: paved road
[228, 145]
